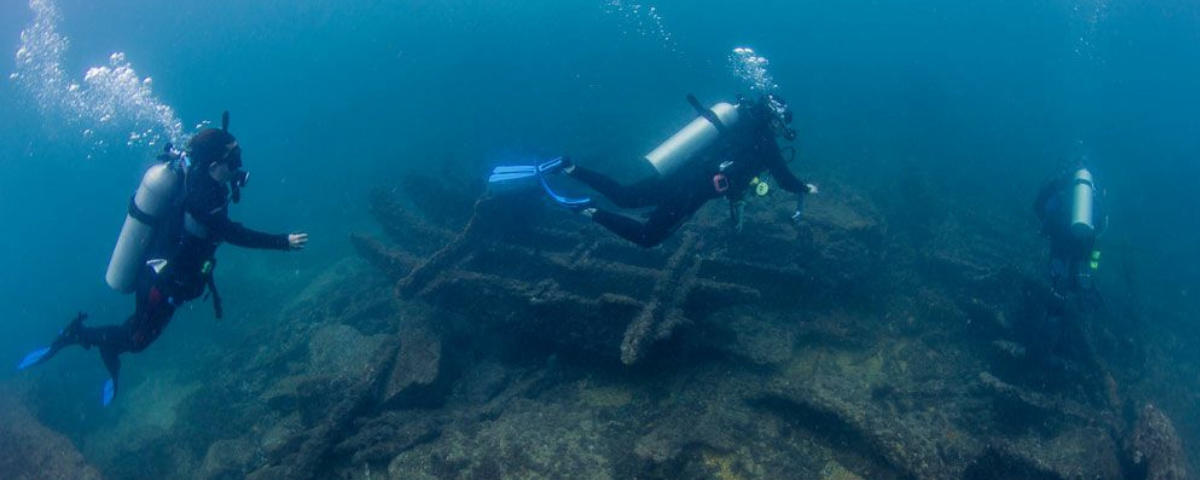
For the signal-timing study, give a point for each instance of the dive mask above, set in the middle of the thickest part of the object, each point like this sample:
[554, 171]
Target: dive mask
[233, 159]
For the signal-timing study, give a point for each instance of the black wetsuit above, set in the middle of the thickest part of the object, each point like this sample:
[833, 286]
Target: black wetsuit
[1070, 256]
[188, 245]
[749, 145]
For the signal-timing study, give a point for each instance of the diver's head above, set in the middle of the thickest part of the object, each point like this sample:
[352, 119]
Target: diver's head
[218, 154]
[774, 111]
[211, 146]
[226, 171]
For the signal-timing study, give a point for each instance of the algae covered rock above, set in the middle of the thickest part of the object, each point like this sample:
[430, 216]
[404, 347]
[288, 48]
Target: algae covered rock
[417, 367]
[341, 350]
[227, 460]
[30, 451]
[529, 441]
[1155, 449]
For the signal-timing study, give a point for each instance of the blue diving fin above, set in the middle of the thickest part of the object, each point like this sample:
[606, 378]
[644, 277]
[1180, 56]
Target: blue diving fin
[33, 358]
[551, 166]
[512, 179]
[110, 391]
[522, 169]
[507, 179]
[568, 202]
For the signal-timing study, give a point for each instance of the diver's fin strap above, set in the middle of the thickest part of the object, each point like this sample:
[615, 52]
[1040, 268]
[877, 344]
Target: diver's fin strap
[140, 215]
[707, 113]
[550, 165]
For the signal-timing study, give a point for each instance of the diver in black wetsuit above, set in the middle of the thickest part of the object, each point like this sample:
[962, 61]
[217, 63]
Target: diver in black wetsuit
[1071, 210]
[1071, 213]
[726, 168]
[182, 259]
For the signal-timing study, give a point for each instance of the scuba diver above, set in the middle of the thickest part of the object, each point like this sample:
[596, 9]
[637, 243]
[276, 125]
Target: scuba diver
[1057, 351]
[1070, 208]
[717, 155]
[165, 252]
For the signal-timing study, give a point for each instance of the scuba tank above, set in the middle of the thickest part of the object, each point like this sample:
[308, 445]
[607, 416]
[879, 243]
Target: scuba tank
[154, 199]
[1082, 205]
[701, 133]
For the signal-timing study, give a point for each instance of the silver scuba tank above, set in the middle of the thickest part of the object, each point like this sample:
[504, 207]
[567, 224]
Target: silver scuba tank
[684, 144]
[154, 198]
[1082, 205]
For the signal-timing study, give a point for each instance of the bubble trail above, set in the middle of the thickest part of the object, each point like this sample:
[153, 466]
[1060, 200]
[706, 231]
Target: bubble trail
[110, 100]
[752, 69]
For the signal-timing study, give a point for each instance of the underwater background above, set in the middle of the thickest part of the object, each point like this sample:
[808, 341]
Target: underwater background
[974, 102]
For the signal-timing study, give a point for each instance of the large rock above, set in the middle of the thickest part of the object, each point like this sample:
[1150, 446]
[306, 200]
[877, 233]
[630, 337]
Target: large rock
[417, 368]
[227, 460]
[1154, 448]
[30, 451]
[530, 440]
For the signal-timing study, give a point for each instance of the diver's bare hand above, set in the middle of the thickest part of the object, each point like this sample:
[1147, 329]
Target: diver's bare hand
[812, 189]
[297, 241]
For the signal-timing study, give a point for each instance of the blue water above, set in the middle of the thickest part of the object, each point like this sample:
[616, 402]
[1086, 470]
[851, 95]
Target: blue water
[332, 98]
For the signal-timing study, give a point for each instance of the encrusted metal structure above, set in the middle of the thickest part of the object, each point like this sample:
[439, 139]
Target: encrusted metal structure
[553, 275]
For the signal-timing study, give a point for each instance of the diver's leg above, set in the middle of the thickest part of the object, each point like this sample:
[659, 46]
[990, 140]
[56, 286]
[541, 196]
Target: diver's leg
[667, 219]
[154, 321]
[118, 339]
[623, 226]
[644, 193]
[153, 314]
[112, 363]
[150, 317]
[663, 222]
[1060, 269]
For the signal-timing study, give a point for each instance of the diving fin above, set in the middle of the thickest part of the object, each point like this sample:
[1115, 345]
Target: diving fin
[71, 335]
[512, 179]
[507, 179]
[33, 358]
[505, 174]
[523, 169]
[553, 166]
[509, 176]
[110, 391]
[573, 203]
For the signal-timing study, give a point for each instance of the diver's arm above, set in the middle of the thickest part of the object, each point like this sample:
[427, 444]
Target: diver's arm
[780, 171]
[213, 214]
[237, 234]
[786, 179]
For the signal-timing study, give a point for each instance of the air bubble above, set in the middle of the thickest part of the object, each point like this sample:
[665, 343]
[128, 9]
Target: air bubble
[751, 68]
[642, 20]
[109, 102]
